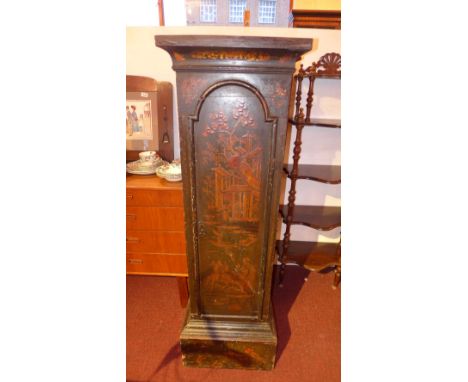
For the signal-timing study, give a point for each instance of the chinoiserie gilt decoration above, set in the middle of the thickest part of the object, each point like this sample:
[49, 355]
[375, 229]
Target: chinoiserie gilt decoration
[233, 97]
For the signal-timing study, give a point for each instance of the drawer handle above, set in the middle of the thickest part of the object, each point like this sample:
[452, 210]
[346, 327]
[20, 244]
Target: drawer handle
[131, 216]
[129, 196]
[135, 261]
[133, 240]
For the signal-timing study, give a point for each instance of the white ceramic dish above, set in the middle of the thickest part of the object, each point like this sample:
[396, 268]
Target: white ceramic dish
[148, 156]
[140, 168]
[171, 172]
[160, 171]
[173, 178]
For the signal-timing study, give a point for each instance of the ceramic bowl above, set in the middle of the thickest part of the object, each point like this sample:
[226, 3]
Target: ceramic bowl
[173, 177]
[148, 157]
[161, 171]
[171, 172]
[152, 164]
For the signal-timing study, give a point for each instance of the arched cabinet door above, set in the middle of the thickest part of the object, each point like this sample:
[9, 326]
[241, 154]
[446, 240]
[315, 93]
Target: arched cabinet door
[234, 141]
[233, 96]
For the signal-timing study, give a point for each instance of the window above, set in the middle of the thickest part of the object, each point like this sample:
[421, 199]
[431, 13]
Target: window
[236, 10]
[267, 11]
[208, 11]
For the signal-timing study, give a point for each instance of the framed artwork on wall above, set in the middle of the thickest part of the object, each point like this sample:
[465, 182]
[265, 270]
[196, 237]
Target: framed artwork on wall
[140, 116]
[148, 117]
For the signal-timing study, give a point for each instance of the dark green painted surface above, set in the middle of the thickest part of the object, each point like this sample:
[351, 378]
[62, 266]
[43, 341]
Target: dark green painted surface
[233, 98]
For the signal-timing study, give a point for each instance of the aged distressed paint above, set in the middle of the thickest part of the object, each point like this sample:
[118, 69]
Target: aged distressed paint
[233, 97]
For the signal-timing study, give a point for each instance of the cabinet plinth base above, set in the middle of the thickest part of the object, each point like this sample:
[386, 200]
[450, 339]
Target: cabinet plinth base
[228, 344]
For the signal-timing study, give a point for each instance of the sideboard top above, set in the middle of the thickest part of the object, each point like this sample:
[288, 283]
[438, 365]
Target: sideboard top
[151, 182]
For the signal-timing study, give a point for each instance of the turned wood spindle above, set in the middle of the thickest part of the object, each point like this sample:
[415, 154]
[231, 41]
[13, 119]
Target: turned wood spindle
[292, 193]
[310, 97]
[300, 77]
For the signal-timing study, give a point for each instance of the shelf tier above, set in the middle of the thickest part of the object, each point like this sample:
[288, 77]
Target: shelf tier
[322, 218]
[320, 173]
[313, 256]
[323, 122]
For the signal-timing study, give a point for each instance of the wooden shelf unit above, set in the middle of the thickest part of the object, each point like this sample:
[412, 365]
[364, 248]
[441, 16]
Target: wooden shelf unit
[322, 218]
[321, 122]
[315, 256]
[321, 173]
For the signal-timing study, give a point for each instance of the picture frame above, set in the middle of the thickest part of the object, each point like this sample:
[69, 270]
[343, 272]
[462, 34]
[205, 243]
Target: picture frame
[148, 117]
[141, 129]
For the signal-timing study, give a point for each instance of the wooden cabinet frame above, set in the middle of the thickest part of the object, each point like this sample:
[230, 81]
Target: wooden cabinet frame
[233, 95]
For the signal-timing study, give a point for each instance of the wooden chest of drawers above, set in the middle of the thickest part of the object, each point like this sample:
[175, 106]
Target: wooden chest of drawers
[155, 227]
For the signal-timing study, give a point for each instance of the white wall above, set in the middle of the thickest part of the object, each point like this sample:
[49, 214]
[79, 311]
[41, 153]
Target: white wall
[142, 12]
[320, 145]
[175, 13]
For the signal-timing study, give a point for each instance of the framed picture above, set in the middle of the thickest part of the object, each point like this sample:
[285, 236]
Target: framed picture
[148, 117]
[141, 121]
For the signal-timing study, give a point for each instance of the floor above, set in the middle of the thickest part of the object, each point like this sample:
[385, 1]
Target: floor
[308, 321]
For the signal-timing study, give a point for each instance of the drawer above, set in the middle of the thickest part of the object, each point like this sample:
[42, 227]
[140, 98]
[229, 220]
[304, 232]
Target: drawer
[156, 241]
[157, 263]
[164, 198]
[155, 218]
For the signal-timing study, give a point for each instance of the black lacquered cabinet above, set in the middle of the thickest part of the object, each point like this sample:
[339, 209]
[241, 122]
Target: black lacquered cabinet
[233, 97]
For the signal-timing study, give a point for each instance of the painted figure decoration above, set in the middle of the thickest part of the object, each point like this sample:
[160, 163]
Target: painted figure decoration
[232, 132]
[138, 120]
[233, 159]
[237, 170]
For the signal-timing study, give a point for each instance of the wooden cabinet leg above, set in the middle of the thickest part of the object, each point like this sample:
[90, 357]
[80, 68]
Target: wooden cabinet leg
[183, 290]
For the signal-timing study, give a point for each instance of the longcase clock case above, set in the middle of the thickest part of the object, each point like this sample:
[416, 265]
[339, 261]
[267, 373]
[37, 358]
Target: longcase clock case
[233, 95]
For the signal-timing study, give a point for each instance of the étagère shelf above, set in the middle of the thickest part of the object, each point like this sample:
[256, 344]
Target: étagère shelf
[322, 218]
[315, 256]
[320, 173]
[323, 122]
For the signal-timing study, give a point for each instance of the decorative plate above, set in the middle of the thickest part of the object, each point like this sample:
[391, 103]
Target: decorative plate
[138, 169]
